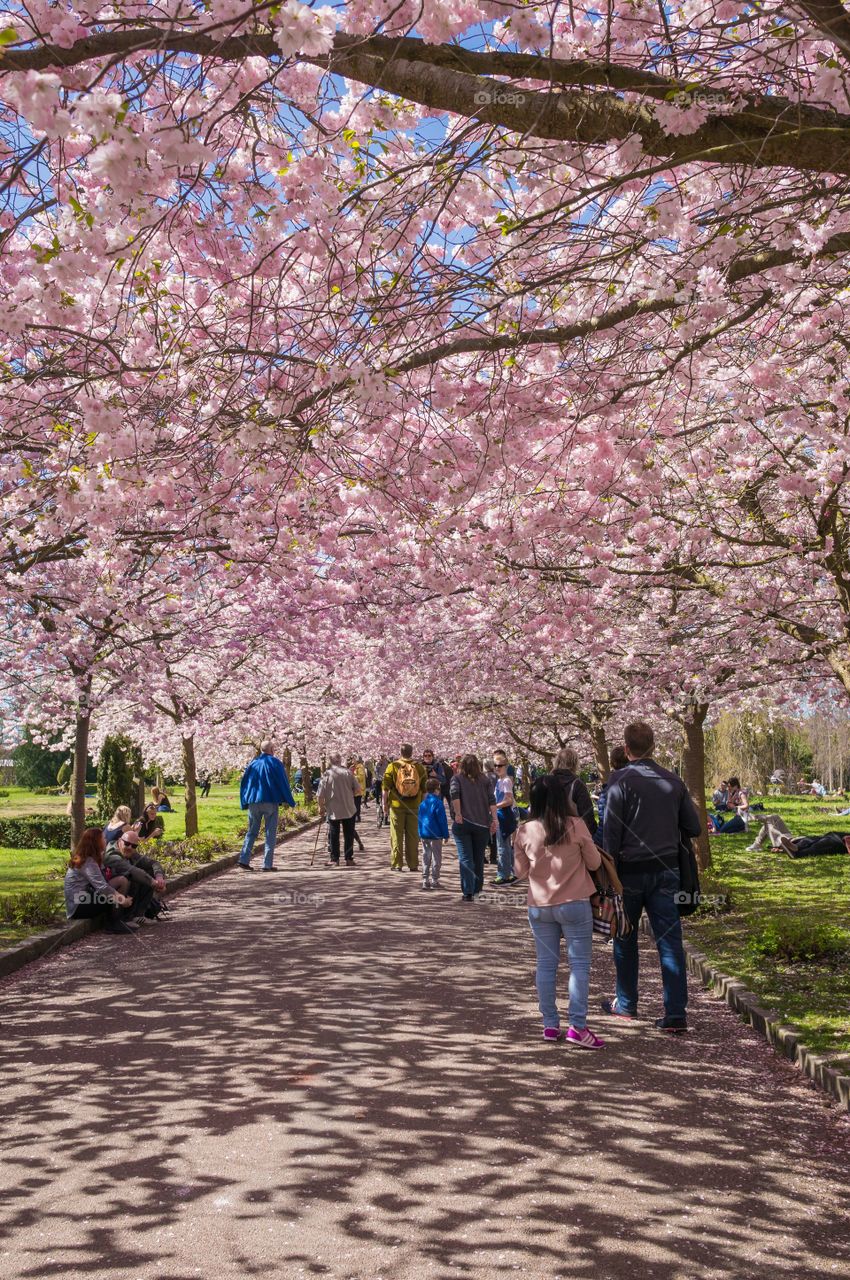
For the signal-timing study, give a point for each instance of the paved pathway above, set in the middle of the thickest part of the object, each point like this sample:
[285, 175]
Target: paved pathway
[330, 1074]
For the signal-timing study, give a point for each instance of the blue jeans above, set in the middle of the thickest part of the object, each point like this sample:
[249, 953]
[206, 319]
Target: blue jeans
[653, 890]
[472, 843]
[256, 813]
[574, 922]
[504, 845]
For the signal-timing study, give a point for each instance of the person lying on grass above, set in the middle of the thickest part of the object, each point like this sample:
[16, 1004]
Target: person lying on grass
[774, 830]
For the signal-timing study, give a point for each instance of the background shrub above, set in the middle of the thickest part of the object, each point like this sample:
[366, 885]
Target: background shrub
[41, 831]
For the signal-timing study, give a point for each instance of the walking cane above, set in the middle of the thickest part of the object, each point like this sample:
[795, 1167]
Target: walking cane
[316, 845]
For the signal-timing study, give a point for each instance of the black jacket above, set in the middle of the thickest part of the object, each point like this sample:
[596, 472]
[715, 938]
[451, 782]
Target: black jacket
[646, 808]
[580, 795]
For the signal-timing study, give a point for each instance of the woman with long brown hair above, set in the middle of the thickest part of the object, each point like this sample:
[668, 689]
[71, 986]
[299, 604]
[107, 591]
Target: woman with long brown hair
[88, 894]
[554, 849]
[473, 804]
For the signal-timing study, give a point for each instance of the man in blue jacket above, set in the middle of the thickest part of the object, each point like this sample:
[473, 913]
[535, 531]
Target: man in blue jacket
[647, 811]
[265, 787]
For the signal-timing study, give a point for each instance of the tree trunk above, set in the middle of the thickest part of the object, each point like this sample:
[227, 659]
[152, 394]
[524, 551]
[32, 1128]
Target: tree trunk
[599, 740]
[306, 778]
[693, 769]
[78, 781]
[526, 780]
[287, 759]
[190, 776]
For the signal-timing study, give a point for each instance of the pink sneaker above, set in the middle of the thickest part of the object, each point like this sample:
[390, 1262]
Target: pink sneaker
[553, 1033]
[584, 1038]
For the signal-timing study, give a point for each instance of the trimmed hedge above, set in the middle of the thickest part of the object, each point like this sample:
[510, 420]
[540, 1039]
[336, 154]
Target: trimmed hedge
[39, 832]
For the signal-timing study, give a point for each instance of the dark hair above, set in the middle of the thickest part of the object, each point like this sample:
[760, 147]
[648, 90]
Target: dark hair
[735, 782]
[639, 738]
[470, 767]
[406, 751]
[433, 785]
[90, 845]
[619, 759]
[550, 804]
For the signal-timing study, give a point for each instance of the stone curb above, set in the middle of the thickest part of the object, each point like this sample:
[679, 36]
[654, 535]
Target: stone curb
[40, 944]
[784, 1037]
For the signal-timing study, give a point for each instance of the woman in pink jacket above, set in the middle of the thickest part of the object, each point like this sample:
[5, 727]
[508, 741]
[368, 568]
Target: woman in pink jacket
[555, 851]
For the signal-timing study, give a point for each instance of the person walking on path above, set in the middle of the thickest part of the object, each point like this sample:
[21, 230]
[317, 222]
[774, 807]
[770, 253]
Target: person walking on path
[648, 810]
[473, 803]
[336, 797]
[554, 849]
[565, 770]
[265, 787]
[403, 787]
[433, 830]
[506, 815]
[358, 773]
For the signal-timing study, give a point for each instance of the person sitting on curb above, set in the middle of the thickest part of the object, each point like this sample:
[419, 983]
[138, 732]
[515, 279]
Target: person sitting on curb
[264, 788]
[88, 894]
[142, 858]
[118, 862]
[336, 796]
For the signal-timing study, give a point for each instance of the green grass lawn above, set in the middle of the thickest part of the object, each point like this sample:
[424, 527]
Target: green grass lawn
[27, 870]
[769, 890]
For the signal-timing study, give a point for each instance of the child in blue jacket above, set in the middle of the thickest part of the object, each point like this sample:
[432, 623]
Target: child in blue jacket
[433, 830]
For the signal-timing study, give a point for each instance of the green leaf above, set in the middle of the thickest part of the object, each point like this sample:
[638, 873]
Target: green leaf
[8, 36]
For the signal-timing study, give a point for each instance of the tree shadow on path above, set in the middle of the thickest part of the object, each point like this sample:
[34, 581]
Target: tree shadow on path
[333, 1074]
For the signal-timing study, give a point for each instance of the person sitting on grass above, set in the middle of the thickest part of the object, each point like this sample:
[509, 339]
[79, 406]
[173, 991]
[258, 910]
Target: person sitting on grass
[150, 825]
[161, 800]
[118, 860]
[119, 822]
[88, 894]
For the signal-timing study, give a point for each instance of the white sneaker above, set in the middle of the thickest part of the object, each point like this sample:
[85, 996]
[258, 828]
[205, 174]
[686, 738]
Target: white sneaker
[752, 848]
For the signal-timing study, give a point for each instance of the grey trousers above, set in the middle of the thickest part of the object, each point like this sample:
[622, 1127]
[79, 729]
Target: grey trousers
[432, 859]
[772, 827]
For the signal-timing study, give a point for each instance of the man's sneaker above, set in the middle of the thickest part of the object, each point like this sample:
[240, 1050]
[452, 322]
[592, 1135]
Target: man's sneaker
[140, 920]
[675, 1026]
[270, 868]
[122, 926]
[614, 1011]
[553, 1033]
[468, 897]
[436, 885]
[332, 863]
[245, 866]
[349, 862]
[424, 885]
[786, 843]
[752, 848]
[502, 880]
[583, 1038]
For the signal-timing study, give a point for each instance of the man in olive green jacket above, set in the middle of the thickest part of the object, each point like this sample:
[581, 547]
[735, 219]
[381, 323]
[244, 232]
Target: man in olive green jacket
[403, 789]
